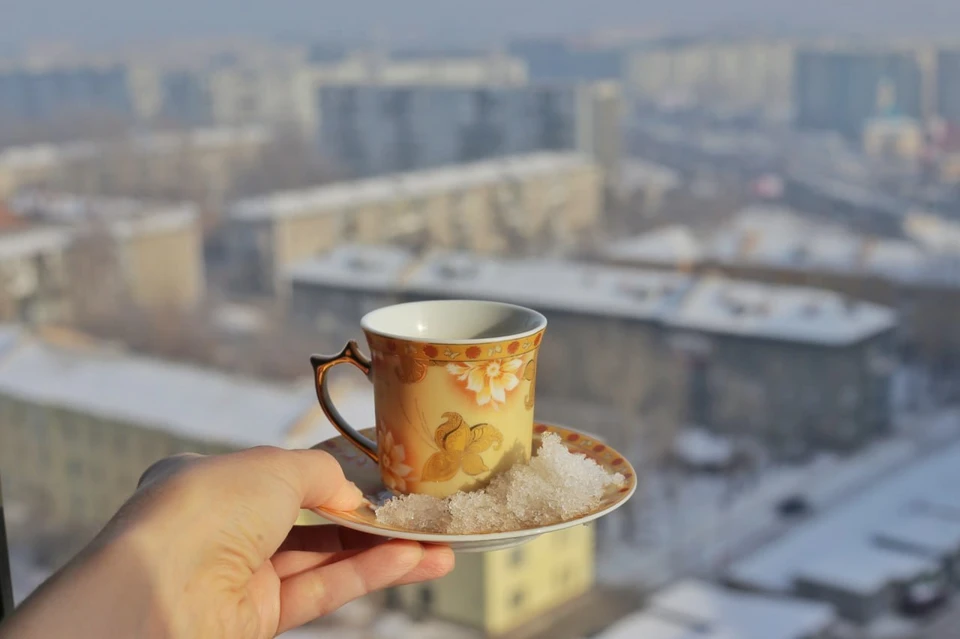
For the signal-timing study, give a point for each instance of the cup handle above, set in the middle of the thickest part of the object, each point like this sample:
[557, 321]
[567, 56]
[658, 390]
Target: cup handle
[321, 364]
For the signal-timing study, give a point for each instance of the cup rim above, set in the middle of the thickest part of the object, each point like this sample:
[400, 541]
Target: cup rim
[539, 317]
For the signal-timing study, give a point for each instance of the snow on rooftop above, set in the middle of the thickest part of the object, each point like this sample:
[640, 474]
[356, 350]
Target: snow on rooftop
[26, 242]
[933, 232]
[554, 284]
[785, 313]
[747, 616]
[669, 245]
[386, 189]
[643, 625]
[850, 529]
[707, 304]
[123, 215]
[355, 266]
[863, 568]
[182, 400]
[638, 174]
[777, 237]
[930, 533]
[51, 155]
[699, 447]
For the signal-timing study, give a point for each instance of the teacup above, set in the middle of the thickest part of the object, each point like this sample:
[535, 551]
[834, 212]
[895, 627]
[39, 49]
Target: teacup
[454, 385]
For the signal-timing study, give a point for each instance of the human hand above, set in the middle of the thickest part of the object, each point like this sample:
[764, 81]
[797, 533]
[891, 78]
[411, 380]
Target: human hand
[207, 547]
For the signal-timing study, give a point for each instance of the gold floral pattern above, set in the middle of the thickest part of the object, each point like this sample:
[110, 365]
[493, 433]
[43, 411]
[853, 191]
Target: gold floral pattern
[530, 374]
[440, 352]
[490, 380]
[409, 370]
[392, 459]
[460, 447]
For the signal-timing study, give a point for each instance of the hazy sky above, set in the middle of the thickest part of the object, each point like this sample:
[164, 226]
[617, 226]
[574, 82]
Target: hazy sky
[109, 22]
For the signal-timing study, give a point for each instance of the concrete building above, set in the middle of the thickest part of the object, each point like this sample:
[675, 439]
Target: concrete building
[894, 138]
[568, 60]
[279, 88]
[424, 68]
[31, 93]
[735, 75]
[80, 421]
[373, 130]
[936, 538]
[486, 206]
[840, 89]
[497, 592]
[199, 165]
[149, 254]
[845, 557]
[723, 354]
[699, 610]
[948, 85]
[917, 274]
[700, 604]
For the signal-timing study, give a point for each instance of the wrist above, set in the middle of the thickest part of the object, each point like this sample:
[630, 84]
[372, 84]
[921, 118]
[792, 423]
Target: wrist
[109, 590]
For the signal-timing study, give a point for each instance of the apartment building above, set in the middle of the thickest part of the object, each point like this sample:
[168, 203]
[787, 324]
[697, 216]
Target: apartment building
[799, 369]
[724, 74]
[81, 420]
[916, 273]
[841, 88]
[380, 129]
[693, 609]
[199, 165]
[34, 92]
[497, 592]
[882, 558]
[486, 207]
[147, 253]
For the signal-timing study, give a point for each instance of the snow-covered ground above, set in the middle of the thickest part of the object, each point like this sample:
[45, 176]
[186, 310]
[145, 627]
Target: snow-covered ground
[685, 524]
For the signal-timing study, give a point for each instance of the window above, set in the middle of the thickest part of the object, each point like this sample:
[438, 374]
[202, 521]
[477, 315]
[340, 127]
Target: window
[517, 599]
[516, 557]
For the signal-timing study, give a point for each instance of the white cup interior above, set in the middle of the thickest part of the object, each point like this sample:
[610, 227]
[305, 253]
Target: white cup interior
[454, 321]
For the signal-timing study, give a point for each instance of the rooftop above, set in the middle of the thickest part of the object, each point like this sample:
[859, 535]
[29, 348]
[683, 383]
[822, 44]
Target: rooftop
[862, 567]
[182, 400]
[644, 625]
[123, 216]
[850, 531]
[387, 189]
[932, 534]
[550, 284]
[668, 245]
[355, 267]
[706, 304]
[638, 174]
[747, 616]
[717, 305]
[50, 155]
[779, 238]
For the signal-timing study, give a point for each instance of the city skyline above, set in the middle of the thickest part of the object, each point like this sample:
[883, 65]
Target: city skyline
[109, 23]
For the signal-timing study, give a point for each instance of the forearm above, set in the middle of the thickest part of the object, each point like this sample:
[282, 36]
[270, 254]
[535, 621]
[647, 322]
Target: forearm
[104, 592]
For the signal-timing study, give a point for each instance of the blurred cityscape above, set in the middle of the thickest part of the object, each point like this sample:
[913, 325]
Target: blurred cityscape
[747, 247]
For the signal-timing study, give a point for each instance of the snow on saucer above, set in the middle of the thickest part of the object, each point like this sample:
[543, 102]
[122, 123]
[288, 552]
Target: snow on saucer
[555, 486]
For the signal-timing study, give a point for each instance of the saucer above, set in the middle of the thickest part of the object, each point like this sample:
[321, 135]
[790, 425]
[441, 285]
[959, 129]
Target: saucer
[365, 473]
